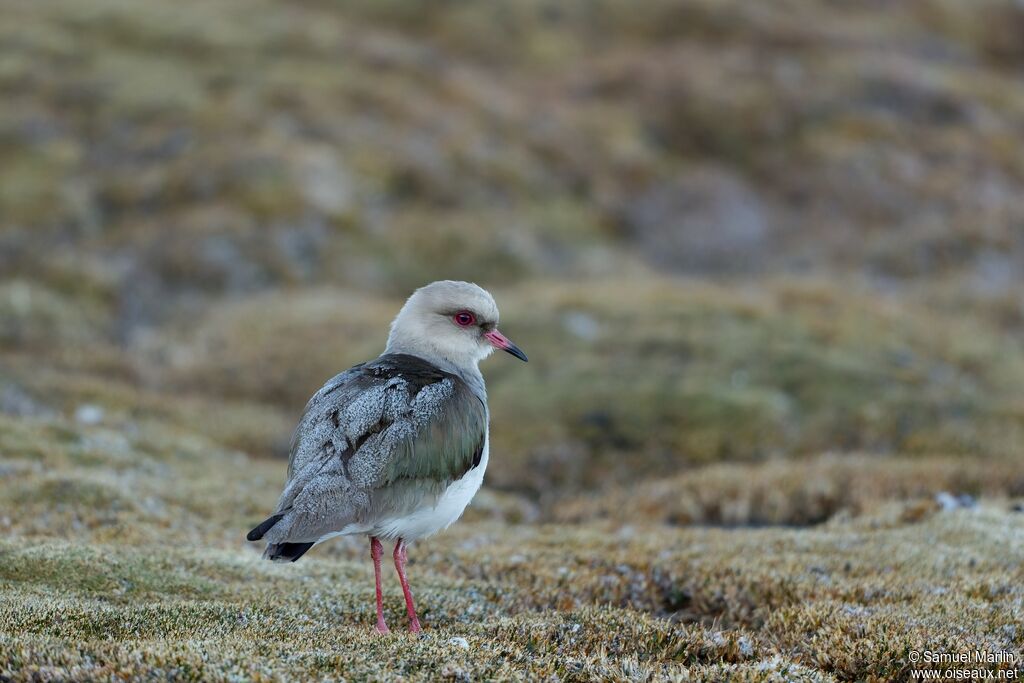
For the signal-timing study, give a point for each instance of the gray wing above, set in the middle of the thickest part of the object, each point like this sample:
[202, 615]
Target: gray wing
[377, 439]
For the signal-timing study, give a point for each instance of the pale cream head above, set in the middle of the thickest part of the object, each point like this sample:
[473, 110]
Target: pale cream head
[451, 323]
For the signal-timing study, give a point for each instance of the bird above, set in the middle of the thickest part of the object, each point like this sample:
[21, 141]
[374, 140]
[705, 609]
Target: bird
[395, 448]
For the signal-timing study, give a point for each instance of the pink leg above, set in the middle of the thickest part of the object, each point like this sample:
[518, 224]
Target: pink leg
[376, 550]
[400, 557]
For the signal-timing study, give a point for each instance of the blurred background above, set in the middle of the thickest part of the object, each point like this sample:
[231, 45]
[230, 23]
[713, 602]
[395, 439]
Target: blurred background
[767, 259]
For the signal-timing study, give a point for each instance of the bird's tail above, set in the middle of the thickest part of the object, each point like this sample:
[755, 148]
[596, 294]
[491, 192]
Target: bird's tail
[286, 552]
[278, 552]
[263, 527]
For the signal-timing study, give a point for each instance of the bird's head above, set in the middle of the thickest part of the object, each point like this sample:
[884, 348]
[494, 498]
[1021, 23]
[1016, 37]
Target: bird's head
[449, 321]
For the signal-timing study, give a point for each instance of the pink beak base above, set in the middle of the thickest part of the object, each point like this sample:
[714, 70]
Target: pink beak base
[502, 342]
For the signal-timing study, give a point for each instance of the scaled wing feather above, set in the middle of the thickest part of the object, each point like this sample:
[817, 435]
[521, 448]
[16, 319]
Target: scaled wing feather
[379, 439]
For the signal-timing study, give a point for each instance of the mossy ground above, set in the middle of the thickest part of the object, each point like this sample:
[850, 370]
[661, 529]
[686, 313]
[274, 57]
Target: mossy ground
[766, 260]
[125, 560]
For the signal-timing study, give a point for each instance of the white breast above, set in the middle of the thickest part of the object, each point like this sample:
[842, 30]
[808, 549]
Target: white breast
[450, 506]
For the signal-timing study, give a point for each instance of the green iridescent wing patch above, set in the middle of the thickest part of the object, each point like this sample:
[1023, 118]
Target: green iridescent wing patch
[448, 445]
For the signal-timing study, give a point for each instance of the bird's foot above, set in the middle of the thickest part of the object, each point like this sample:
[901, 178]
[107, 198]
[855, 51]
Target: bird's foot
[414, 626]
[382, 628]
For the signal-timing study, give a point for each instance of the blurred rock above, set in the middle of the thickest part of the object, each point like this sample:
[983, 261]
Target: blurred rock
[501, 506]
[17, 402]
[705, 220]
[324, 182]
[89, 414]
[459, 642]
[948, 502]
[582, 325]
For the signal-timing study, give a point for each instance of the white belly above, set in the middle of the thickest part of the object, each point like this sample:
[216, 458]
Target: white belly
[450, 506]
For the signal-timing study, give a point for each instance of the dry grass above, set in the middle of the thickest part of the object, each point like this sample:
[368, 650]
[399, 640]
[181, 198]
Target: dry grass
[236, 146]
[134, 538]
[207, 208]
[637, 378]
[799, 492]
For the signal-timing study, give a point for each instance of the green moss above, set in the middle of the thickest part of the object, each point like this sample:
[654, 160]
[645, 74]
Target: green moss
[136, 566]
[207, 210]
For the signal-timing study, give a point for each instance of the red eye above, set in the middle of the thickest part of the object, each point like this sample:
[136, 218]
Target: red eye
[464, 318]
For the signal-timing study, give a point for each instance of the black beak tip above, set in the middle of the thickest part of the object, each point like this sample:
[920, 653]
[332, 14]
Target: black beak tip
[518, 353]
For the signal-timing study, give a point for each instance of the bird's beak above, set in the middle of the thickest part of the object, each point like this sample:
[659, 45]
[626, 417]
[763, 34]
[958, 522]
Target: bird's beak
[505, 344]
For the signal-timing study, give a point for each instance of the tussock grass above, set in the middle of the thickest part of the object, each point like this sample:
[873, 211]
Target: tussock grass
[633, 379]
[208, 208]
[135, 567]
[799, 492]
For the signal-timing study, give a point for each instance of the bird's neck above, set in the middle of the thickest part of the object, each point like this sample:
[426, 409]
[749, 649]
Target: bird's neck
[468, 371]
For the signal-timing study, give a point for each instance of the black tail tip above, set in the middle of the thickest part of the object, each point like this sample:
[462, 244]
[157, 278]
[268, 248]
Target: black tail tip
[287, 552]
[257, 533]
